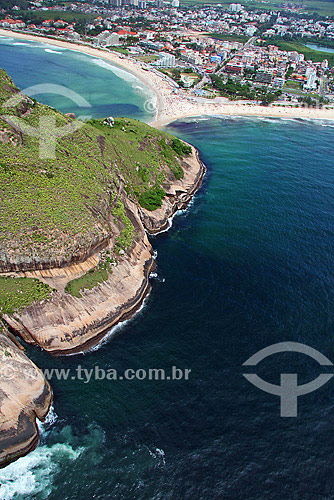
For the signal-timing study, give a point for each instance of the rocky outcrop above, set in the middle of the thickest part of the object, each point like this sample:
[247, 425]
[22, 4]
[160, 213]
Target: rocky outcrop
[178, 195]
[65, 324]
[10, 262]
[24, 396]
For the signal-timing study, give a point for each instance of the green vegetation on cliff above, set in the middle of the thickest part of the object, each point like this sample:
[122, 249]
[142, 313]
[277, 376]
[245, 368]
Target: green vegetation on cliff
[87, 281]
[55, 210]
[57, 205]
[17, 293]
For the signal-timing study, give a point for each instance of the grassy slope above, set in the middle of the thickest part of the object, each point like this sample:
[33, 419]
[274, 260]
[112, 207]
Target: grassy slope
[231, 38]
[44, 199]
[17, 293]
[314, 55]
[52, 207]
[320, 7]
[68, 16]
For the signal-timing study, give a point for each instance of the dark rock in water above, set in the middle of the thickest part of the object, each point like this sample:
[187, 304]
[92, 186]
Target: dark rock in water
[70, 115]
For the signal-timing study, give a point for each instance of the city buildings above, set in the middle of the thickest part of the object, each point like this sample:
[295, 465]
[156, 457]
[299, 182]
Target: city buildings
[166, 60]
[193, 39]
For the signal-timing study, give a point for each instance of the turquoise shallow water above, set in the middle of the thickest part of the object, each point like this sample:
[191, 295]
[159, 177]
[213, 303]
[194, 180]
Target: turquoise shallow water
[250, 263]
[109, 89]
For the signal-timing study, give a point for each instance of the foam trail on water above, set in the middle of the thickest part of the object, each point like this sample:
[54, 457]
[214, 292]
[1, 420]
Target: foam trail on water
[20, 43]
[30, 477]
[129, 77]
[112, 332]
[53, 51]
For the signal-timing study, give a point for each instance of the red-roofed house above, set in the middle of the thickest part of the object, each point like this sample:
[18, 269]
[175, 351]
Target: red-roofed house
[11, 23]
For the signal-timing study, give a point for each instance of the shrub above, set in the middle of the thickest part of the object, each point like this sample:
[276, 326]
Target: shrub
[144, 174]
[152, 198]
[180, 148]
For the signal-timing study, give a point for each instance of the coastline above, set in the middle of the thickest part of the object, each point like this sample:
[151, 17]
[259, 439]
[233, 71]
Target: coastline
[170, 106]
[64, 324]
[25, 396]
[68, 325]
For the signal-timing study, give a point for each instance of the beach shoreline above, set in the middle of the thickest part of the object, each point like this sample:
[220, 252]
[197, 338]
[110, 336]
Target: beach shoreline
[170, 106]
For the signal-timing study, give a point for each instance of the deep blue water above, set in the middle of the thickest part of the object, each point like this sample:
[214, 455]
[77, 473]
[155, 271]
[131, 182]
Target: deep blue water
[248, 265]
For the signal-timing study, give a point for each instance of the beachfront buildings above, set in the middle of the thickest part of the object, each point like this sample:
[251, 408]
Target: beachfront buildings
[193, 39]
[166, 60]
[12, 23]
[311, 76]
[106, 38]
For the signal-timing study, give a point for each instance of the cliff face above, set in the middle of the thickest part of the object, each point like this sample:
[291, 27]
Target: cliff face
[65, 323]
[75, 258]
[178, 195]
[24, 396]
[61, 210]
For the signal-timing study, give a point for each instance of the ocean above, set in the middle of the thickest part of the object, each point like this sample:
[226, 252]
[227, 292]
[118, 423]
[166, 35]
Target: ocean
[108, 89]
[249, 264]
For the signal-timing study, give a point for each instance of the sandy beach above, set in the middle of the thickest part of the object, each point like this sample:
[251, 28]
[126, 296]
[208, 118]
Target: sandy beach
[169, 105]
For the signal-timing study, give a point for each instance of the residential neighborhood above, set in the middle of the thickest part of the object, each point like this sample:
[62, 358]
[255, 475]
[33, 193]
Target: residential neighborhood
[208, 50]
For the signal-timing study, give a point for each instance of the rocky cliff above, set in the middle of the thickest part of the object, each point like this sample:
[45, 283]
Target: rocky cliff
[75, 258]
[24, 396]
[64, 323]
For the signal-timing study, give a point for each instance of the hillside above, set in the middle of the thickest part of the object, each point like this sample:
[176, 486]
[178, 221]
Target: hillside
[75, 258]
[54, 212]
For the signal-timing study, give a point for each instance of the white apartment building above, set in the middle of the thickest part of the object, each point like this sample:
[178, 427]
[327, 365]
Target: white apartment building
[166, 60]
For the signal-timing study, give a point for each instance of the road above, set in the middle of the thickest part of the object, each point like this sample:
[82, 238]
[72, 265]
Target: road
[239, 52]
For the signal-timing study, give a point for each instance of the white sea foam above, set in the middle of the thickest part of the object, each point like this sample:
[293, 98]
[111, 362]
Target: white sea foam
[202, 119]
[122, 73]
[268, 119]
[158, 454]
[156, 276]
[20, 43]
[51, 51]
[135, 82]
[170, 219]
[31, 476]
[51, 417]
[112, 332]
[50, 420]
